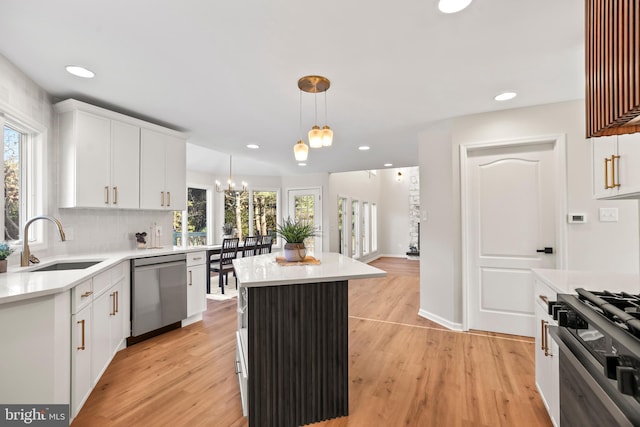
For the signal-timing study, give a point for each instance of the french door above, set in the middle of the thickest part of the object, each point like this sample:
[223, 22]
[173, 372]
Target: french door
[306, 205]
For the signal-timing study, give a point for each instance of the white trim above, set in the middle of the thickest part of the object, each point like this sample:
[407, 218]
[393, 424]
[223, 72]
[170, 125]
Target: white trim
[559, 151]
[440, 320]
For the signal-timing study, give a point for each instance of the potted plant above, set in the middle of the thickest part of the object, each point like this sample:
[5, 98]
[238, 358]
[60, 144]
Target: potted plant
[5, 251]
[227, 230]
[295, 233]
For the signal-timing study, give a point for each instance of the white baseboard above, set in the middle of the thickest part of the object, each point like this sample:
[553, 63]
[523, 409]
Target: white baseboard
[440, 320]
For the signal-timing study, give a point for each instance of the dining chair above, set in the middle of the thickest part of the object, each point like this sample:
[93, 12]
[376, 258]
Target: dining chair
[265, 246]
[251, 245]
[224, 265]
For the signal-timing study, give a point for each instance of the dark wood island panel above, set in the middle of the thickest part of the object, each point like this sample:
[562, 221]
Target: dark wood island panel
[298, 347]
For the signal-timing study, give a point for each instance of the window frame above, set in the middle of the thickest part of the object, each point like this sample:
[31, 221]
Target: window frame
[33, 174]
[184, 230]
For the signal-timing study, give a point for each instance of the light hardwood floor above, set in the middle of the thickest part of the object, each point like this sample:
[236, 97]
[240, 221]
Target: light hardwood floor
[404, 370]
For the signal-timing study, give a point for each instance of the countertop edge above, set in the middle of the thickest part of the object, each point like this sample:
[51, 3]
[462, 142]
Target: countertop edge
[71, 278]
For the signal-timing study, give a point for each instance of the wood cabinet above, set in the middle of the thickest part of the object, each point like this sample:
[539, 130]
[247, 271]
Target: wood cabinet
[615, 171]
[163, 167]
[99, 160]
[546, 354]
[98, 329]
[612, 51]
[196, 283]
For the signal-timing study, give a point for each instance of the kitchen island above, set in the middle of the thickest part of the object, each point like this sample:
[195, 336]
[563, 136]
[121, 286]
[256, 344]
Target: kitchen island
[292, 354]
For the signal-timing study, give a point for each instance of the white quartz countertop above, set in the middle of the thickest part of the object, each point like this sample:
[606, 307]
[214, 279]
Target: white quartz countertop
[263, 270]
[566, 281]
[21, 283]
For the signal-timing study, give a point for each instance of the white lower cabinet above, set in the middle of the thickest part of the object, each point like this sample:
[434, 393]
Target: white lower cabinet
[546, 354]
[98, 325]
[196, 283]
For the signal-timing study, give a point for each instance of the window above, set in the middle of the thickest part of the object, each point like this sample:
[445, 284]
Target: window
[365, 228]
[236, 212]
[374, 227]
[252, 212]
[342, 225]
[265, 213]
[21, 180]
[355, 228]
[195, 230]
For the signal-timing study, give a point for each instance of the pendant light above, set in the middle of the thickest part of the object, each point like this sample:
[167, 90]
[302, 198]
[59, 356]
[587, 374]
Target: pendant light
[327, 133]
[317, 137]
[300, 150]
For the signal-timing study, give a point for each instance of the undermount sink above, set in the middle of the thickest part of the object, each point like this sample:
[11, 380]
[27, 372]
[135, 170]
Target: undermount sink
[67, 265]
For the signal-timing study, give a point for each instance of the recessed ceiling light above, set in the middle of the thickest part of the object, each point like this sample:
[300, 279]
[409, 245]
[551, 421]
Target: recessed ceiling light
[364, 148]
[388, 165]
[80, 71]
[452, 6]
[505, 96]
[253, 146]
[302, 164]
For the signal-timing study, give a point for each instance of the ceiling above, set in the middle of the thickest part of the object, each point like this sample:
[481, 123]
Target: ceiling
[226, 72]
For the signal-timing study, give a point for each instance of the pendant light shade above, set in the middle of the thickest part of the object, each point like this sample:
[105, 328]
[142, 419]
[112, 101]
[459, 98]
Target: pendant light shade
[327, 136]
[301, 151]
[315, 137]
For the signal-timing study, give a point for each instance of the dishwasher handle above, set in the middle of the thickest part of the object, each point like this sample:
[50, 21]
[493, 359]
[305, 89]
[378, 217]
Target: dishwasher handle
[160, 265]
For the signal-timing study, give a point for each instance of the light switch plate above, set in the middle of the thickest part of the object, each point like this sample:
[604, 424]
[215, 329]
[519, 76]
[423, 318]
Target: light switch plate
[608, 214]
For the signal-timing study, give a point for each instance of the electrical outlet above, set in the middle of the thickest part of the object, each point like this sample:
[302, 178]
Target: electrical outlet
[608, 214]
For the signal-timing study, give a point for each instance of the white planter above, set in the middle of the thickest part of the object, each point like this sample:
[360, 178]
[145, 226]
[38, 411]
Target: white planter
[294, 252]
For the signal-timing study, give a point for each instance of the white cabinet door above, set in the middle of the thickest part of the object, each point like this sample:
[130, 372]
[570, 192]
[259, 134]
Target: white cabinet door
[162, 171]
[92, 152]
[81, 349]
[102, 312]
[176, 174]
[196, 289]
[627, 167]
[615, 171]
[125, 165]
[116, 326]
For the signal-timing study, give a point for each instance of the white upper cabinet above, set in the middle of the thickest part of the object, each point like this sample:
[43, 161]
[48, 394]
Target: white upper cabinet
[101, 164]
[615, 171]
[163, 176]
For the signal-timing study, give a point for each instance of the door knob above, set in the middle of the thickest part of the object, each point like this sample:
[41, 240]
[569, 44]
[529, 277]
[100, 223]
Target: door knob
[545, 251]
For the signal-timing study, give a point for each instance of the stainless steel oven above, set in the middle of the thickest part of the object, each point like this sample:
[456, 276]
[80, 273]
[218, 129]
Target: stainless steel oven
[599, 362]
[158, 295]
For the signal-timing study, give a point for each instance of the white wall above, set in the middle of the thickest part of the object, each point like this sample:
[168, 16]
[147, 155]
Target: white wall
[592, 246]
[93, 230]
[393, 216]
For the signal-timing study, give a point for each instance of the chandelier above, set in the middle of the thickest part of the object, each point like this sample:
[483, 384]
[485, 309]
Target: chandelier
[317, 137]
[231, 185]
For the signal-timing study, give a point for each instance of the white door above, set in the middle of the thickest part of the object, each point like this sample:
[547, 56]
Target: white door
[510, 217]
[306, 205]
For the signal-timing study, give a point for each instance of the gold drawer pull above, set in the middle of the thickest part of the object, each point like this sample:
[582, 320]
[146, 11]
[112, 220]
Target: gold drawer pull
[86, 294]
[81, 322]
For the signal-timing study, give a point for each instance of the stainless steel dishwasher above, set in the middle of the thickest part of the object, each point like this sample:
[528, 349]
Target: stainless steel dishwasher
[158, 295]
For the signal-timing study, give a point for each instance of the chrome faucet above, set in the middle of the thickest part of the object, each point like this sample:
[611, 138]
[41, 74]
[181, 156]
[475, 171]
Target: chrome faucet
[25, 256]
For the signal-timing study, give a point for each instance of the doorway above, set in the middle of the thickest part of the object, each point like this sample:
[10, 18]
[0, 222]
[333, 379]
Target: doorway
[513, 203]
[305, 204]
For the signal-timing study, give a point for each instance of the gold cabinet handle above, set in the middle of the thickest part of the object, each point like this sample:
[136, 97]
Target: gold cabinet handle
[547, 352]
[162, 198]
[544, 299]
[115, 195]
[190, 278]
[613, 171]
[113, 304]
[81, 322]
[168, 198]
[106, 194]
[606, 174]
[117, 301]
[542, 322]
[86, 294]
